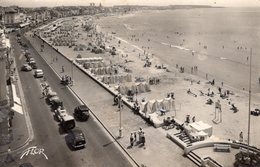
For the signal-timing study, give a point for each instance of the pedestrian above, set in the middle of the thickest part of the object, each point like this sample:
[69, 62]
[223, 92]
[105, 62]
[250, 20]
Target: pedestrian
[222, 84]
[241, 137]
[140, 132]
[131, 140]
[56, 58]
[143, 139]
[62, 69]
[193, 119]
[187, 118]
[134, 136]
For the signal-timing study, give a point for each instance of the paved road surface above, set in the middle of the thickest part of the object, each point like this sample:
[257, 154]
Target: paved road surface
[100, 149]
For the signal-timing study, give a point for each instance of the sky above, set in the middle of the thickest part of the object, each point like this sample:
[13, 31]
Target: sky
[51, 3]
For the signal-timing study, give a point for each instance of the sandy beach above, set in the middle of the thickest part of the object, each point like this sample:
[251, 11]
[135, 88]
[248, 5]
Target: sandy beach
[173, 39]
[187, 43]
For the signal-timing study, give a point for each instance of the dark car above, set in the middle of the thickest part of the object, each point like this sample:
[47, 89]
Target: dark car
[77, 138]
[33, 65]
[26, 165]
[81, 113]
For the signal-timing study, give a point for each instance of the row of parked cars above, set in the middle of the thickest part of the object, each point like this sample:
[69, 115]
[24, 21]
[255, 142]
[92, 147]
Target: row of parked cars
[67, 122]
[30, 65]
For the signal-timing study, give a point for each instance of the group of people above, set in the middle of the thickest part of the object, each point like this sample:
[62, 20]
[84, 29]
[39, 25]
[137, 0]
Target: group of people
[194, 69]
[136, 141]
[66, 80]
[188, 119]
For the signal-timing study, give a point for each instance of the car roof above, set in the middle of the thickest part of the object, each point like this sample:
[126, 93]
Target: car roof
[38, 70]
[83, 107]
[78, 133]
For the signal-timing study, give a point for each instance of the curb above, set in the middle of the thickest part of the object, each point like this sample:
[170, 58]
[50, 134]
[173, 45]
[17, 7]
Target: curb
[74, 93]
[26, 115]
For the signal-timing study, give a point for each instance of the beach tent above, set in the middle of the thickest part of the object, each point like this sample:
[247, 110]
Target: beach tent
[105, 79]
[147, 87]
[140, 88]
[143, 108]
[86, 65]
[169, 104]
[152, 106]
[160, 104]
[120, 78]
[111, 79]
[129, 78]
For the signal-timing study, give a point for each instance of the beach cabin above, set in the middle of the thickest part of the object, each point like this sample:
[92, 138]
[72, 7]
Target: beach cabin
[198, 131]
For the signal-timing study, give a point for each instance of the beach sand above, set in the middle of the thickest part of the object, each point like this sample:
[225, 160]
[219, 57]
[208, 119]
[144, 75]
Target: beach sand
[161, 53]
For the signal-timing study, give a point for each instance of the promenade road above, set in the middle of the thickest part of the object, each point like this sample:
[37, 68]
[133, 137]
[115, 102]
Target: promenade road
[158, 151]
[49, 137]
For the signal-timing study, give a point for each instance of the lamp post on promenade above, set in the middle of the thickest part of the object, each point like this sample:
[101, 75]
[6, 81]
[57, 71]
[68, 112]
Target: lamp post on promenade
[120, 116]
[72, 83]
[249, 105]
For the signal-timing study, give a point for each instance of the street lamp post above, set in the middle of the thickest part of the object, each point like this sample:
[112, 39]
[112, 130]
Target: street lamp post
[72, 72]
[120, 116]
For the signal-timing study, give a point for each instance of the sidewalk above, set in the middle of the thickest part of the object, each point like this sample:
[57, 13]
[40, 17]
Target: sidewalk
[158, 150]
[18, 131]
[19, 135]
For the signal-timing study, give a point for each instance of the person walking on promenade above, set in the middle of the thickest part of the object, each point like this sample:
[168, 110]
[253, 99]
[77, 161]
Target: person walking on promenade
[135, 136]
[131, 140]
[62, 69]
[193, 119]
[140, 132]
[241, 138]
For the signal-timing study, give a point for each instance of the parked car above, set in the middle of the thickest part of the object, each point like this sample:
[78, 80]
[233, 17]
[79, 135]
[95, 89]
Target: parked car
[81, 113]
[28, 59]
[31, 62]
[33, 65]
[77, 138]
[26, 67]
[38, 73]
[55, 102]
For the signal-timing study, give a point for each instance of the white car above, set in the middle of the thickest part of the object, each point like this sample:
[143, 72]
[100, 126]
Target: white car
[38, 73]
[26, 67]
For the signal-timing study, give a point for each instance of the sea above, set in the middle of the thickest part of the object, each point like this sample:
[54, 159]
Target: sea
[221, 42]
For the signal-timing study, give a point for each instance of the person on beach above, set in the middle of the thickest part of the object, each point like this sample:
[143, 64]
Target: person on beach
[187, 119]
[193, 119]
[62, 69]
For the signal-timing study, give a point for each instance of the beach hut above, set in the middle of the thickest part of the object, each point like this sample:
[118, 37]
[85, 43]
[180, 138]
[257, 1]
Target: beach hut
[121, 90]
